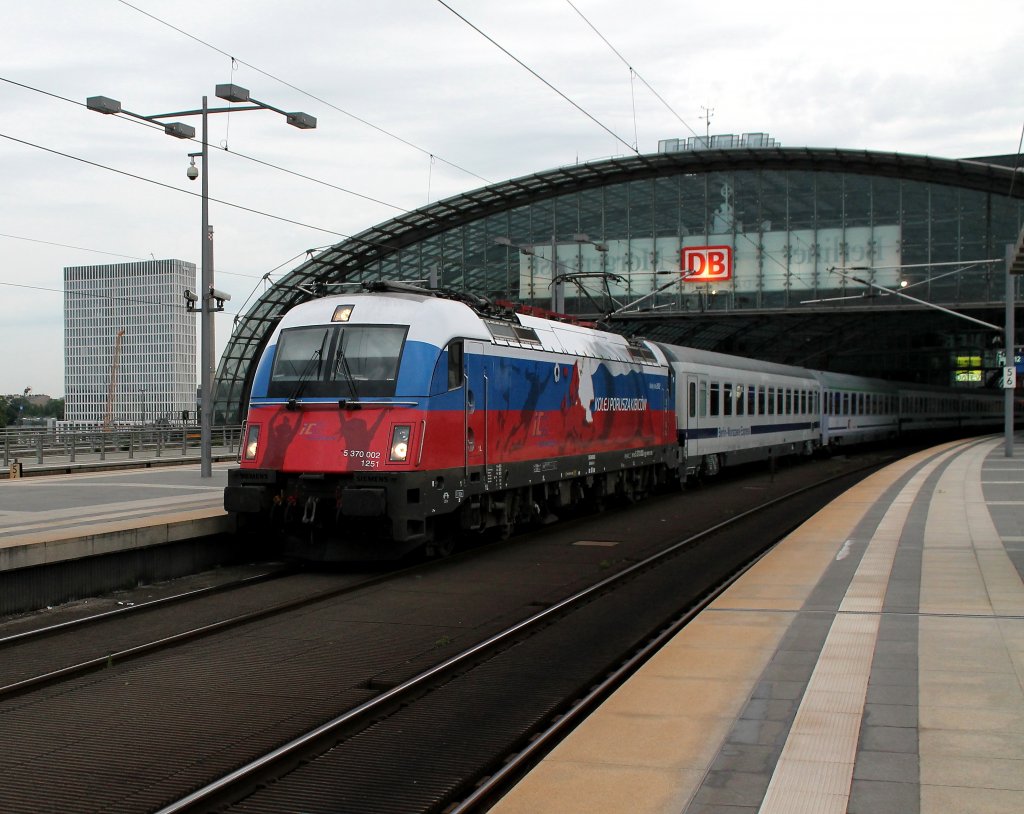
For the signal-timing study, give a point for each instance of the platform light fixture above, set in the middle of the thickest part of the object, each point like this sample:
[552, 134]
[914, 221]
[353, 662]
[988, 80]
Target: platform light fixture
[212, 299]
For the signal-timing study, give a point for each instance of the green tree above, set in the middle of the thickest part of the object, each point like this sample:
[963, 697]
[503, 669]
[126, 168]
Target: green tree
[55, 409]
[8, 412]
[52, 409]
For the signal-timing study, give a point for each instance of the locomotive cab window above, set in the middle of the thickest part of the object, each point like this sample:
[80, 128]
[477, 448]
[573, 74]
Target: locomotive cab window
[340, 361]
[300, 355]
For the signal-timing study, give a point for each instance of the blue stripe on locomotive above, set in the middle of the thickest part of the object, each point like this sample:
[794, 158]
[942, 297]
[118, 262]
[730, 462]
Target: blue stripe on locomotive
[521, 384]
[261, 381]
[529, 385]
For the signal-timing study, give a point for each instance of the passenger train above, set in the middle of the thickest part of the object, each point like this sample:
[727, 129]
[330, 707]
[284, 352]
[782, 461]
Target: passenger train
[395, 418]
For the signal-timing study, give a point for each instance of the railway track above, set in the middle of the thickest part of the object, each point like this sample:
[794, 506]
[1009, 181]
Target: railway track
[383, 755]
[47, 654]
[416, 686]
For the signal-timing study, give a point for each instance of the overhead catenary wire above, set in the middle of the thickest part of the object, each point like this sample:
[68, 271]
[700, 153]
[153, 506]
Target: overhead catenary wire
[222, 148]
[143, 259]
[266, 278]
[169, 186]
[530, 70]
[355, 238]
[128, 300]
[633, 70]
[305, 93]
[67, 246]
[155, 126]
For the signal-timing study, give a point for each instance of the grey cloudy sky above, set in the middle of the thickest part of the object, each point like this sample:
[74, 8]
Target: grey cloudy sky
[872, 75]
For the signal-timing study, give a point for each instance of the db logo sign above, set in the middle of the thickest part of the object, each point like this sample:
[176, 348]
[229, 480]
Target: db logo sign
[706, 264]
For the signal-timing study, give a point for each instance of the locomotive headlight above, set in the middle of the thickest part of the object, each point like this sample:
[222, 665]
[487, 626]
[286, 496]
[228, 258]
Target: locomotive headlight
[343, 313]
[400, 442]
[252, 442]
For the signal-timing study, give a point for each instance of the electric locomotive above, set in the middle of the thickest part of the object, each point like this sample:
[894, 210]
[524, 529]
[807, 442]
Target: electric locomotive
[389, 420]
[393, 419]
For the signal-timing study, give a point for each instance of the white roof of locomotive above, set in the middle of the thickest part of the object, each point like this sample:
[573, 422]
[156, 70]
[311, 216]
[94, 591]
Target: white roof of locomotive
[430, 319]
[436, 321]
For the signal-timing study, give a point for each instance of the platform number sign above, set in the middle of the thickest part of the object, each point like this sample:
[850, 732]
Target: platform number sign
[706, 264]
[1008, 381]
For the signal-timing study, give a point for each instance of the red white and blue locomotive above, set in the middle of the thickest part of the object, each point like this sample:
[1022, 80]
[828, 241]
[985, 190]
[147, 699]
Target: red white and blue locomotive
[389, 420]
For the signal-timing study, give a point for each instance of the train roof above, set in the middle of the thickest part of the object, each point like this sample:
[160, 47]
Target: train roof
[677, 353]
[849, 381]
[430, 319]
[438, 317]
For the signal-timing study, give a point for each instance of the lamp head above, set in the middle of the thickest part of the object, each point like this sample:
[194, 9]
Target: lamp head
[303, 121]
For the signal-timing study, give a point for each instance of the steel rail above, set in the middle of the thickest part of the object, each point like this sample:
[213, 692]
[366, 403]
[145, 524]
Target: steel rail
[492, 787]
[489, 789]
[110, 659]
[235, 785]
[60, 627]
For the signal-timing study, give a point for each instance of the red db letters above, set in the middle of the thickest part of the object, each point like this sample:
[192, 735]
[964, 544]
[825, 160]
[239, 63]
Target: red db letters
[704, 264]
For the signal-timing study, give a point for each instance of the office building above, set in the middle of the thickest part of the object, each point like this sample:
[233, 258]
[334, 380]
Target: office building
[129, 343]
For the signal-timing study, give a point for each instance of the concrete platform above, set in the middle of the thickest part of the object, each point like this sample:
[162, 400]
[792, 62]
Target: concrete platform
[872, 663]
[57, 518]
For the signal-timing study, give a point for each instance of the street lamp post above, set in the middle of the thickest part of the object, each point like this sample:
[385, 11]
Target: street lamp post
[211, 299]
[1014, 267]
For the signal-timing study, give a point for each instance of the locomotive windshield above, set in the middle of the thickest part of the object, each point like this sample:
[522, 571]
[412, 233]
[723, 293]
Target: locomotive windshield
[351, 361]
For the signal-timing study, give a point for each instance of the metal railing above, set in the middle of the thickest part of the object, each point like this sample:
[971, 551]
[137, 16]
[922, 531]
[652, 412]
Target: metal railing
[52, 447]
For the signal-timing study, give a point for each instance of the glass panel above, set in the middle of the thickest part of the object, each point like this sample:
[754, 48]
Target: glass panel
[591, 214]
[354, 361]
[666, 207]
[455, 374]
[300, 356]
[367, 360]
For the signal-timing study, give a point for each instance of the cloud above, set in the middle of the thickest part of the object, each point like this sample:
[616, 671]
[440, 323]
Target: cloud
[878, 76]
